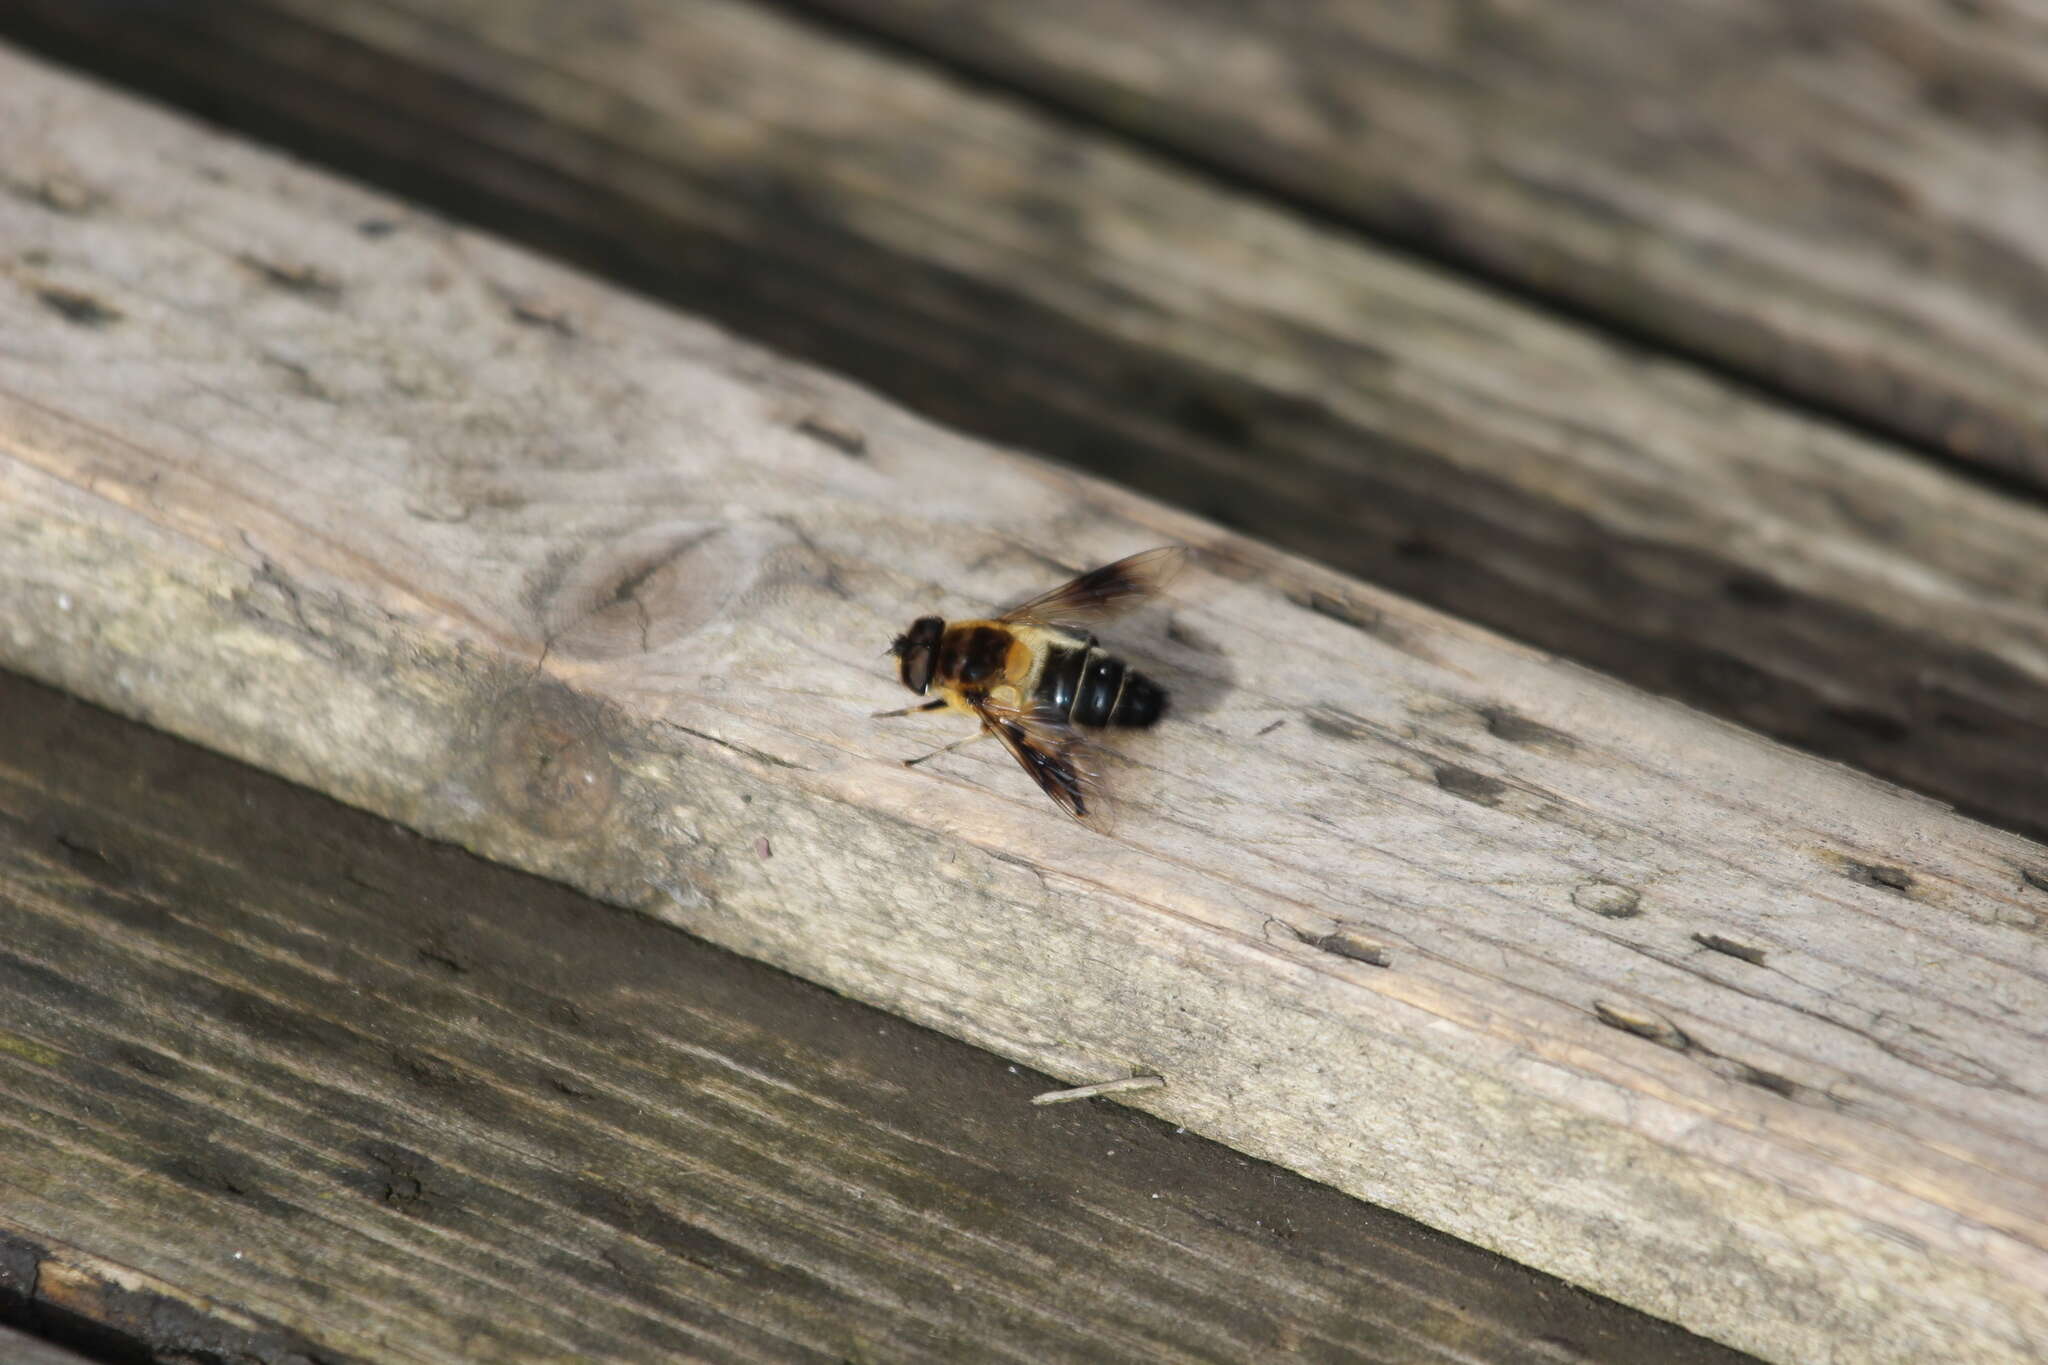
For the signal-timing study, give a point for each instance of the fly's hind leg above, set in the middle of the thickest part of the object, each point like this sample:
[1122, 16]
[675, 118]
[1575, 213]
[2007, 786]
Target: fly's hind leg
[935, 704]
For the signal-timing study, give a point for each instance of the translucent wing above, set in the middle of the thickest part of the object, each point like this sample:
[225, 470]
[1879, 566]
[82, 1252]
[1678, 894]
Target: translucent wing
[1058, 759]
[1102, 593]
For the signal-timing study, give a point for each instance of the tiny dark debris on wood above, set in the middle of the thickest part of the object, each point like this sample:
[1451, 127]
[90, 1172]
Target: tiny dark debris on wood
[1608, 899]
[1661, 1031]
[1879, 875]
[842, 436]
[1347, 942]
[1730, 947]
[1502, 723]
[1470, 785]
[304, 280]
[1654, 1027]
[76, 306]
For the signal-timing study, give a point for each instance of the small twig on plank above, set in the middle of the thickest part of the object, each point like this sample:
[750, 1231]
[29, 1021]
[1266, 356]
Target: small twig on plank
[1089, 1092]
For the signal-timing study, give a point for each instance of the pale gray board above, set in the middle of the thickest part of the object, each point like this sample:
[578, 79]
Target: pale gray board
[1743, 1039]
[1043, 284]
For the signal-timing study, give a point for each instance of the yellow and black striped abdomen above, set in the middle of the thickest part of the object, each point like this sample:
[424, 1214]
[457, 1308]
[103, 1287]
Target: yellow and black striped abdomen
[1090, 686]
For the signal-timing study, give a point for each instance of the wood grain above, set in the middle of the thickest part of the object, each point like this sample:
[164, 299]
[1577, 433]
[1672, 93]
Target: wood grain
[365, 1095]
[1045, 285]
[19, 1348]
[318, 1058]
[1746, 1040]
[116, 1312]
[1840, 202]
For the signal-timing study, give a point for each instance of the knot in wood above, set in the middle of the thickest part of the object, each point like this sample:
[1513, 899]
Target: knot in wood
[548, 761]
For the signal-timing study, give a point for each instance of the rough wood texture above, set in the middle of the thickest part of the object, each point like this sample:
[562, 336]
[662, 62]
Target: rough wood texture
[18, 1348]
[1744, 1039]
[1046, 286]
[348, 1093]
[1842, 200]
[116, 1312]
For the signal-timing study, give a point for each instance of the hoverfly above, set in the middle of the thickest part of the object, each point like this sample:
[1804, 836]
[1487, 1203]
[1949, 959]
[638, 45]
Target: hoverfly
[1035, 677]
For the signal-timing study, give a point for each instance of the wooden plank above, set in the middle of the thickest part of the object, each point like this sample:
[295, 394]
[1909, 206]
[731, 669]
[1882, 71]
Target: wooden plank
[415, 1106]
[1046, 286]
[529, 564]
[1841, 203]
[18, 1348]
[113, 1311]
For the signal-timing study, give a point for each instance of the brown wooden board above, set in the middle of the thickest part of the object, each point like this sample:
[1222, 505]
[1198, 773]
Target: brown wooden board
[286, 1083]
[1744, 1039]
[1839, 201]
[1041, 283]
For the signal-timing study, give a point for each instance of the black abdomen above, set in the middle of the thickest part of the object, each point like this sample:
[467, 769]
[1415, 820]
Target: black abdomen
[1090, 687]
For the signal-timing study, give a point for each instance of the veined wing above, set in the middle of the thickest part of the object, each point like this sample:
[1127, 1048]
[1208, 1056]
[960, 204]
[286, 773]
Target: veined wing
[1102, 593]
[1059, 760]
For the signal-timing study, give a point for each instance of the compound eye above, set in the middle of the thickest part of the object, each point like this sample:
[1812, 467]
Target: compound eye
[917, 668]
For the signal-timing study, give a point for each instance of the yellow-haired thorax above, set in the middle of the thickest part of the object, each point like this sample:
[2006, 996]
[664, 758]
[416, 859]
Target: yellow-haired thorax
[1003, 660]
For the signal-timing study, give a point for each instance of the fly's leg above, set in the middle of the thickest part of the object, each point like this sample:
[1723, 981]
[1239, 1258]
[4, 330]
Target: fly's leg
[947, 749]
[935, 704]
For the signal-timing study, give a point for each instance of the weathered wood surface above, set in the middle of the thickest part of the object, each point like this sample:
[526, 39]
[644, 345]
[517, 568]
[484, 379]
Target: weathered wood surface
[336, 1091]
[1841, 201]
[18, 1348]
[115, 1312]
[1044, 285]
[1744, 1039]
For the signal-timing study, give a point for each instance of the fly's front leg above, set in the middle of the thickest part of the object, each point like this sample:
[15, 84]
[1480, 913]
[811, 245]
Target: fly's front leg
[935, 704]
[948, 748]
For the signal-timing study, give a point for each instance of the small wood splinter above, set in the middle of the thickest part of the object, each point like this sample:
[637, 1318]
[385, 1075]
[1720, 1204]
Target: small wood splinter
[1089, 1092]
